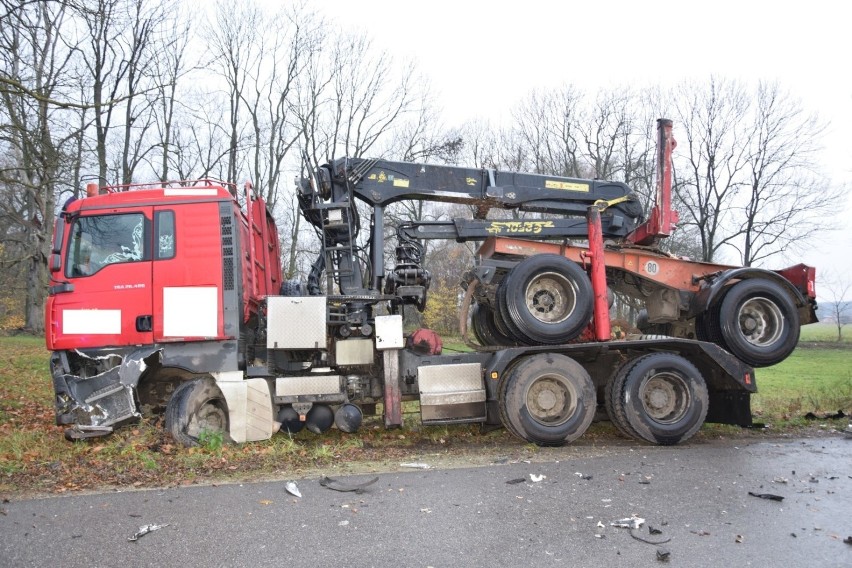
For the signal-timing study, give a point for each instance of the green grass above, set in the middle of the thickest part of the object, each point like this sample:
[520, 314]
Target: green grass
[825, 332]
[815, 380]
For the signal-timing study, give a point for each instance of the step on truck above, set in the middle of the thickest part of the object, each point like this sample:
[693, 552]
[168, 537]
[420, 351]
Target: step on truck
[169, 298]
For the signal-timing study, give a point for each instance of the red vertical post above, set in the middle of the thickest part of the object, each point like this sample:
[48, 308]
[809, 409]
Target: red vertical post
[597, 274]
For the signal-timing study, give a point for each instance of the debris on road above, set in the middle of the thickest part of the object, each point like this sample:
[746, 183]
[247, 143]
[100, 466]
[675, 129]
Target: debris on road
[848, 540]
[663, 554]
[768, 496]
[516, 481]
[143, 530]
[293, 489]
[537, 478]
[335, 485]
[416, 465]
[739, 539]
[629, 523]
[581, 476]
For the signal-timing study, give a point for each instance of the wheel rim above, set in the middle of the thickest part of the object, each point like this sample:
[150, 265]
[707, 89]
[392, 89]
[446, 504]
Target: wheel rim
[761, 321]
[550, 297]
[665, 397]
[551, 401]
[210, 417]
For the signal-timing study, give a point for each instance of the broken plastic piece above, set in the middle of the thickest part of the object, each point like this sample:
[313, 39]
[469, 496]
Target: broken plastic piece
[336, 485]
[293, 489]
[768, 496]
[416, 465]
[536, 478]
[516, 481]
[630, 523]
[84, 432]
[143, 530]
[663, 554]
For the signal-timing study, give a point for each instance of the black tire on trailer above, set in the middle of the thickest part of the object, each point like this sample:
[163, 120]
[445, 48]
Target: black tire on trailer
[548, 399]
[196, 406]
[612, 391]
[548, 298]
[759, 322]
[485, 328]
[291, 288]
[503, 322]
[663, 399]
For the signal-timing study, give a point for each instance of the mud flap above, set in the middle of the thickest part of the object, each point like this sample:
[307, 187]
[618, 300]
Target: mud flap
[250, 412]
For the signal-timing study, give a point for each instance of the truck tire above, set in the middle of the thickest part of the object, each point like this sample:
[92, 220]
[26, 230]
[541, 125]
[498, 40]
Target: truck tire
[195, 407]
[548, 399]
[612, 391]
[548, 298]
[660, 398]
[759, 322]
[485, 328]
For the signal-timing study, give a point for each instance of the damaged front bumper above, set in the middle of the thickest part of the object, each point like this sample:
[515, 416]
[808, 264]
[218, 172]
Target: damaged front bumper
[95, 388]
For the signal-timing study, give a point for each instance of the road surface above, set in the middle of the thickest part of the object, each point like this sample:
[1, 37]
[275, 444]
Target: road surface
[696, 494]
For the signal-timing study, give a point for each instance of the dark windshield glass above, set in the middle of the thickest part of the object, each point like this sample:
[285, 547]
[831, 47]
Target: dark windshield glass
[99, 240]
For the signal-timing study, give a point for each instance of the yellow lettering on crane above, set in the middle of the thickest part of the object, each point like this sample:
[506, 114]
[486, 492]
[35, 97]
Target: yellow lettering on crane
[566, 185]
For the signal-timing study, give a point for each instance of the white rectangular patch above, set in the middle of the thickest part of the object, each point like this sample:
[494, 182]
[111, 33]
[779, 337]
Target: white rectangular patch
[190, 311]
[92, 322]
[177, 191]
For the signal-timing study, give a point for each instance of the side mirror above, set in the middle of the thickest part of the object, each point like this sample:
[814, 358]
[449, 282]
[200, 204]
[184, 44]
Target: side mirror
[55, 262]
[58, 234]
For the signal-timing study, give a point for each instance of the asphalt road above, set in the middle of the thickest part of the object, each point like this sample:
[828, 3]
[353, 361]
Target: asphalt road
[696, 494]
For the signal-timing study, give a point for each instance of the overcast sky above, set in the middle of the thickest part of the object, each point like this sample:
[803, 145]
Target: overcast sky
[482, 57]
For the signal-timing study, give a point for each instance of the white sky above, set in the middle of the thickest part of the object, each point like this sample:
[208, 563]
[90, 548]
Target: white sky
[481, 57]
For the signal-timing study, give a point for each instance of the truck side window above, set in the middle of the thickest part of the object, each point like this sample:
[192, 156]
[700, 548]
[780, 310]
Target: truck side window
[165, 231]
[99, 240]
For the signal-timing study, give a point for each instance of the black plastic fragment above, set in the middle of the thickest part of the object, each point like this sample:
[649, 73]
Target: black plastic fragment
[663, 554]
[768, 496]
[335, 485]
[516, 481]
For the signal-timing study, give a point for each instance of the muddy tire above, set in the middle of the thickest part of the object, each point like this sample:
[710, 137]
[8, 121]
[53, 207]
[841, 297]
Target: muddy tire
[195, 407]
[660, 398]
[485, 328]
[547, 399]
[612, 392]
[547, 299]
[758, 322]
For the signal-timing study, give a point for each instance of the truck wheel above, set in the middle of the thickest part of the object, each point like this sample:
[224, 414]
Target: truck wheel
[548, 399]
[759, 322]
[485, 328]
[196, 406]
[548, 298]
[612, 392]
[661, 398]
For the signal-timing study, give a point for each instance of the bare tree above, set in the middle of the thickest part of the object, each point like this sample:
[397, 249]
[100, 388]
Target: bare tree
[33, 134]
[710, 142]
[838, 288]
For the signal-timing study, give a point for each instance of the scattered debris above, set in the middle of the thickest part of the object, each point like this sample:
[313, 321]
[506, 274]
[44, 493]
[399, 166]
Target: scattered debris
[536, 478]
[265, 502]
[629, 523]
[335, 485]
[848, 540]
[581, 476]
[663, 554]
[292, 489]
[516, 481]
[143, 530]
[780, 480]
[601, 525]
[653, 530]
[635, 534]
[836, 416]
[768, 496]
[739, 539]
[416, 465]
[343, 523]
[426, 510]
[701, 533]
[600, 536]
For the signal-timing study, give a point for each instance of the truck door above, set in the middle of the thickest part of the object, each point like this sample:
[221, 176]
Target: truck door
[108, 265]
[187, 272]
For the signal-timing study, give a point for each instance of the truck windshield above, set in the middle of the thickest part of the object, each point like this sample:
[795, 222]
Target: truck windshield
[100, 240]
